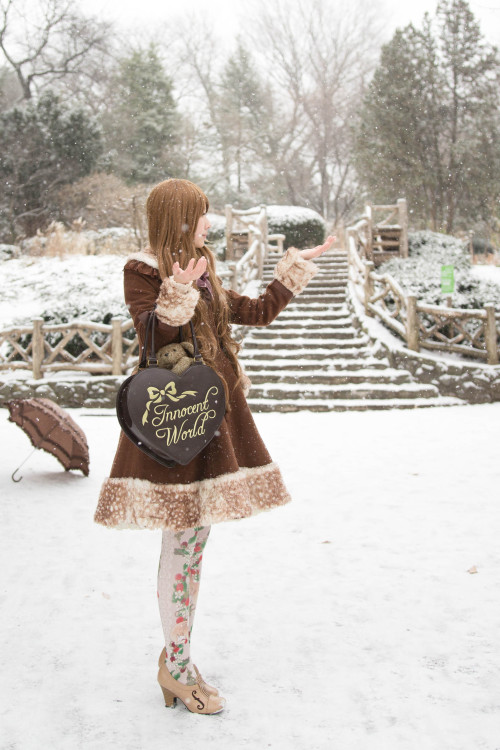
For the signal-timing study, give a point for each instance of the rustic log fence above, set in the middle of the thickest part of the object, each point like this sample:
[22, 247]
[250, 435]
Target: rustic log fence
[473, 333]
[44, 348]
[107, 349]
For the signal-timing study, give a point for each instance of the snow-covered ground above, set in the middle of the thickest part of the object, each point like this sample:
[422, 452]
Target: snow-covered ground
[487, 272]
[92, 284]
[347, 620]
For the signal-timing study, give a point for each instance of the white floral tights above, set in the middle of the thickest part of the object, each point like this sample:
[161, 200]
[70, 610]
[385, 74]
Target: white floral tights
[178, 583]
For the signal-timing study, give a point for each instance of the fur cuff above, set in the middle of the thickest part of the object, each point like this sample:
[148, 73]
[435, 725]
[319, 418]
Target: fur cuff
[294, 272]
[176, 302]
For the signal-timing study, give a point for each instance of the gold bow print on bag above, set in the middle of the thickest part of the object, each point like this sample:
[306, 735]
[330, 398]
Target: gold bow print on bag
[156, 395]
[165, 420]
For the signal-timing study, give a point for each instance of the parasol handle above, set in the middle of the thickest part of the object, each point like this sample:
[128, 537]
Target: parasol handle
[16, 470]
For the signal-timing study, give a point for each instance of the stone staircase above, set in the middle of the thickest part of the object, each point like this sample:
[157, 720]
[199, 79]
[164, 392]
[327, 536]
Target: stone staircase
[312, 357]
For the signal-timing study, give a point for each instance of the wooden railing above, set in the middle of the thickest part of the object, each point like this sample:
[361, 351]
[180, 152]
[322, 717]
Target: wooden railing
[97, 348]
[474, 333]
[113, 349]
[41, 348]
[243, 225]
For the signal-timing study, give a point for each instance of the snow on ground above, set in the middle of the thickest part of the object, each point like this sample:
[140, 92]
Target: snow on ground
[487, 272]
[346, 620]
[93, 288]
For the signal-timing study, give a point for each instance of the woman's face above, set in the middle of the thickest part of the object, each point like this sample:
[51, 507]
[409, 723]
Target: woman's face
[202, 228]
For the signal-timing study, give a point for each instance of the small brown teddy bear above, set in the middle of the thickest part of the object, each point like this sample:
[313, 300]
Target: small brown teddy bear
[175, 357]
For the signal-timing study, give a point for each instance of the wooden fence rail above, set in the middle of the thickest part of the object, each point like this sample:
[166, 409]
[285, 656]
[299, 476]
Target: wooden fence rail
[80, 345]
[473, 333]
[85, 346]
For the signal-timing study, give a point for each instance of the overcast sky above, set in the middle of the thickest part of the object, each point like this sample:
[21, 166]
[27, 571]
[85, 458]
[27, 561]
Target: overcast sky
[229, 15]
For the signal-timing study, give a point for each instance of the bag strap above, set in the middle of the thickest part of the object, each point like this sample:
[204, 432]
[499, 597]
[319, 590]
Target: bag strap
[151, 359]
[197, 355]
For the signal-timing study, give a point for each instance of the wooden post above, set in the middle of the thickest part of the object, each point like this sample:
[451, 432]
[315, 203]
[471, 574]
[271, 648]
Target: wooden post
[229, 229]
[403, 223]
[368, 286]
[234, 275]
[116, 346]
[412, 329]
[490, 335]
[264, 229]
[37, 348]
[369, 230]
[260, 258]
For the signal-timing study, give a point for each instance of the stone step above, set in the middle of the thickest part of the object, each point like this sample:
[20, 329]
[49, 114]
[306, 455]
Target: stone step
[306, 325]
[297, 304]
[335, 274]
[329, 354]
[354, 390]
[320, 316]
[326, 365]
[330, 377]
[325, 299]
[321, 334]
[289, 405]
[323, 270]
[326, 287]
[305, 344]
[311, 310]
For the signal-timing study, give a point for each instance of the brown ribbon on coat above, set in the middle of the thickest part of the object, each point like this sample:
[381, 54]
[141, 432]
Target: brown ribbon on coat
[204, 283]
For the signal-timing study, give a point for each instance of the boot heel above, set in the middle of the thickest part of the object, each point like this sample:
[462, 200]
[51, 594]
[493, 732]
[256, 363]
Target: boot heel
[170, 698]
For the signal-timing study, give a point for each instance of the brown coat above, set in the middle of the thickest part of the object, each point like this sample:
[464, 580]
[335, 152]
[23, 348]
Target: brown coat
[234, 475]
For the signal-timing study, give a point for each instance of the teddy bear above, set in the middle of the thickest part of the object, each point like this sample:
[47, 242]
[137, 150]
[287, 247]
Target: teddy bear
[176, 357]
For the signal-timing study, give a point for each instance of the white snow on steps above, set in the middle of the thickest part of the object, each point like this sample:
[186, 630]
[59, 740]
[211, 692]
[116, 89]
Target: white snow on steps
[315, 338]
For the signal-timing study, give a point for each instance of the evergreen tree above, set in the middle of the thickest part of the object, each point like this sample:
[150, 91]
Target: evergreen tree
[141, 119]
[242, 116]
[428, 125]
[43, 146]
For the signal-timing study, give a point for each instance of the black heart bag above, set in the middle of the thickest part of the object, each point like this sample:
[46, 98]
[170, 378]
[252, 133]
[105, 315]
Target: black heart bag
[169, 417]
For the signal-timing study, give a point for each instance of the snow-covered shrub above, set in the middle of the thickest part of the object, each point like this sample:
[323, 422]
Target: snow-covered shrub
[481, 246]
[218, 227]
[7, 252]
[302, 227]
[61, 291]
[420, 274]
[217, 235]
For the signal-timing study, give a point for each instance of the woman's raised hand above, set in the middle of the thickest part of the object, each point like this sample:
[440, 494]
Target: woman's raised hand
[192, 271]
[319, 249]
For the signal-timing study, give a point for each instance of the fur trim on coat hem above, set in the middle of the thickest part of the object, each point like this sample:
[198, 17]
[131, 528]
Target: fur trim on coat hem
[294, 272]
[129, 503]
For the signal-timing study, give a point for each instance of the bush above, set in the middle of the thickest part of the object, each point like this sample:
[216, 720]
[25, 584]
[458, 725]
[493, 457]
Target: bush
[482, 246]
[302, 227]
[420, 273]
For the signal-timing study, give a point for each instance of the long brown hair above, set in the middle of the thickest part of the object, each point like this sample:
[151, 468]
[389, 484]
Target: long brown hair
[174, 208]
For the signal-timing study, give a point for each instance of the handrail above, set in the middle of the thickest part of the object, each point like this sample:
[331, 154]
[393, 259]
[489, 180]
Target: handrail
[474, 333]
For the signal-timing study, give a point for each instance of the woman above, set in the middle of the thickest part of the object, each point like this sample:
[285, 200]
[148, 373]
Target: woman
[234, 475]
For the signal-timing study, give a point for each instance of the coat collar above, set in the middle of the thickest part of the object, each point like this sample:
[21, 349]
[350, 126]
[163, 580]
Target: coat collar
[144, 256]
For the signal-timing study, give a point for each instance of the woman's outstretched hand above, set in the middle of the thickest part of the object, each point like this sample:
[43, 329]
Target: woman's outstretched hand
[192, 271]
[318, 250]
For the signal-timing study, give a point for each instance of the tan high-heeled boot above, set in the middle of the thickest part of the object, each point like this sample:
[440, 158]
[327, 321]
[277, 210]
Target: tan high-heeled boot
[209, 688]
[195, 697]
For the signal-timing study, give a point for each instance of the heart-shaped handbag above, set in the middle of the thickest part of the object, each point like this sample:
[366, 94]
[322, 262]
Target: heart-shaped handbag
[169, 417]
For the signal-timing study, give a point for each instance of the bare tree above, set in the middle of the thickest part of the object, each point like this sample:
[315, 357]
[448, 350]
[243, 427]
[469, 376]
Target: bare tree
[319, 56]
[47, 41]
